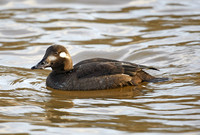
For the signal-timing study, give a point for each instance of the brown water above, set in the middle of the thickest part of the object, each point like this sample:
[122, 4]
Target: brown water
[160, 33]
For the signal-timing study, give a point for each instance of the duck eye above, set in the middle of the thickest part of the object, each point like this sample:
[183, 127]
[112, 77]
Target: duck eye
[56, 53]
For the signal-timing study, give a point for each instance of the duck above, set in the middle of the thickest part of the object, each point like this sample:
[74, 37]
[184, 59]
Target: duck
[91, 74]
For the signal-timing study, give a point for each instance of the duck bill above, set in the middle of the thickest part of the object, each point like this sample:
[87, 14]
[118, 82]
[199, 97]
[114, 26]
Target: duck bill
[42, 64]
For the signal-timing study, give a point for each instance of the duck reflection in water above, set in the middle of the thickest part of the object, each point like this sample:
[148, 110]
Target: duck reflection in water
[56, 108]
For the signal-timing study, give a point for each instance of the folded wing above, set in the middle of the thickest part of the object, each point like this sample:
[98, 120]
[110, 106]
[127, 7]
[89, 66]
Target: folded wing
[102, 67]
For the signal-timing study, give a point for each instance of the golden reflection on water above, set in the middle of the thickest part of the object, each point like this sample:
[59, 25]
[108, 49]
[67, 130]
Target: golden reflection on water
[164, 34]
[126, 92]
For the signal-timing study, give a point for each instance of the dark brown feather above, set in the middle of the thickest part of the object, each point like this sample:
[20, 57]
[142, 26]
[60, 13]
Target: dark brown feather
[101, 67]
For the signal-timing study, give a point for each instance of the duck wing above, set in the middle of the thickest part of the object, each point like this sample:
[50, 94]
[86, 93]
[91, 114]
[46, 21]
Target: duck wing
[95, 60]
[102, 67]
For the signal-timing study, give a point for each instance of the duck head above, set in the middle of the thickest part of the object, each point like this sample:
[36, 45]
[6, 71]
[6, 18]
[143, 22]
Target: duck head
[56, 57]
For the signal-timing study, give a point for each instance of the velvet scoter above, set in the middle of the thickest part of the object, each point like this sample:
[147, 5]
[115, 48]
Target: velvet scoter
[91, 74]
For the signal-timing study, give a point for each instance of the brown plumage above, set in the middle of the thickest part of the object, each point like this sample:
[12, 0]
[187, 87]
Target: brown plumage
[90, 74]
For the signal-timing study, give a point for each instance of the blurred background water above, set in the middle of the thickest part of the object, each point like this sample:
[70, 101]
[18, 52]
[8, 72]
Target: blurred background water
[160, 33]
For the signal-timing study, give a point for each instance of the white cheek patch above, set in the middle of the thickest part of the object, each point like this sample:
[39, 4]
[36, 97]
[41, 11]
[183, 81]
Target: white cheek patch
[63, 55]
[52, 58]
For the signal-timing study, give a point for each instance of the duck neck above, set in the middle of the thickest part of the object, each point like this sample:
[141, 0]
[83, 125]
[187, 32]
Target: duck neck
[66, 66]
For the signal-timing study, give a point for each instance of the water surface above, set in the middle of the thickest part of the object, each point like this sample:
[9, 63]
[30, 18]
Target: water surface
[160, 33]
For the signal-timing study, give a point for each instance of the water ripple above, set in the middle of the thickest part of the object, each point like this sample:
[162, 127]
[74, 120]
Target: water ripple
[164, 34]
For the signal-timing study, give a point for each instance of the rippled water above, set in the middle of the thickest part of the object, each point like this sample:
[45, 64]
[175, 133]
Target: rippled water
[160, 33]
